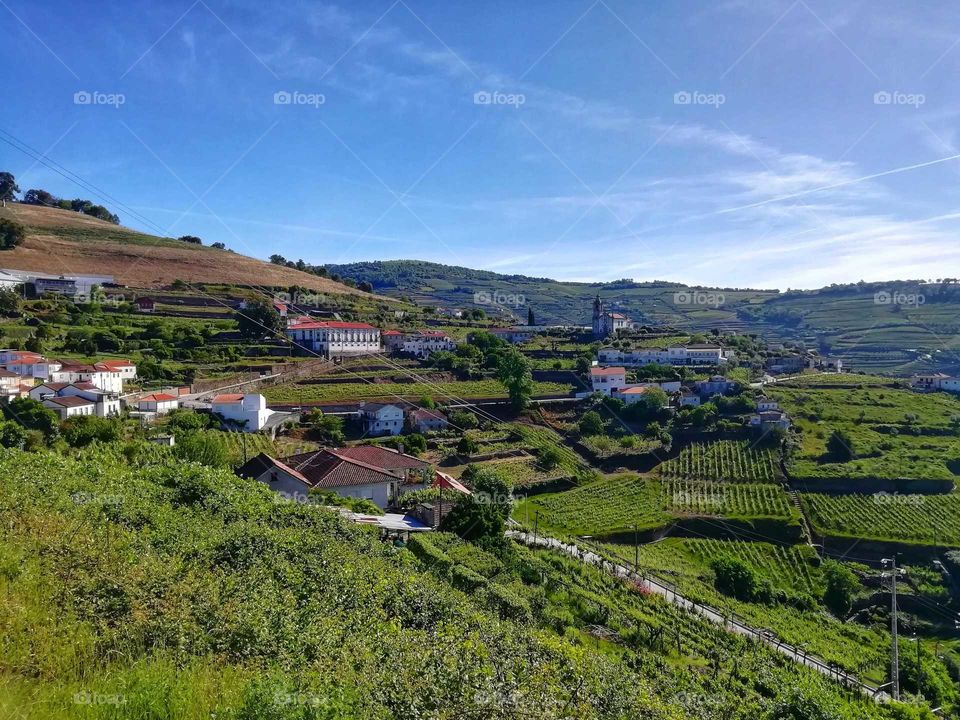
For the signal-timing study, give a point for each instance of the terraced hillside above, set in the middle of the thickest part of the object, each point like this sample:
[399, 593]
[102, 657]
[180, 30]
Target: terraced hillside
[64, 242]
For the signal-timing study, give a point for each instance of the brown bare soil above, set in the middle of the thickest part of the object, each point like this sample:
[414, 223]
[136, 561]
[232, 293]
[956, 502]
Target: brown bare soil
[69, 243]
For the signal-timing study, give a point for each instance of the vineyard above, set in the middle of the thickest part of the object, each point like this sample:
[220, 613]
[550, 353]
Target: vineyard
[921, 519]
[297, 393]
[234, 443]
[602, 507]
[736, 500]
[730, 460]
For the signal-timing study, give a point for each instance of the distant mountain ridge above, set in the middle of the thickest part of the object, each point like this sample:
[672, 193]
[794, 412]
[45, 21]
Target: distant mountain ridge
[897, 327]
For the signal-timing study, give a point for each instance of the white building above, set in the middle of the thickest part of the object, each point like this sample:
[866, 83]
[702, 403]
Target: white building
[424, 343]
[689, 398]
[381, 419]
[159, 403]
[631, 394]
[770, 420]
[605, 323]
[28, 364]
[607, 379]
[124, 368]
[104, 377]
[934, 382]
[249, 412]
[514, 335]
[70, 406]
[106, 404]
[334, 338]
[674, 355]
[765, 404]
[10, 383]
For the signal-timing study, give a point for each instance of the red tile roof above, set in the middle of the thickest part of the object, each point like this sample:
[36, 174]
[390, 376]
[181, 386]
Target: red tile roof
[607, 371]
[158, 397]
[328, 324]
[329, 469]
[114, 364]
[392, 332]
[7, 373]
[257, 466]
[228, 398]
[69, 401]
[382, 457]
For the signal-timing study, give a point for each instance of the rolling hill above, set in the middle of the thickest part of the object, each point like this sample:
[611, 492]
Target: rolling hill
[65, 242]
[894, 327]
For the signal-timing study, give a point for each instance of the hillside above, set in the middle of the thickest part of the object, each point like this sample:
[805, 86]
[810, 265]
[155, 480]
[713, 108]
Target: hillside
[894, 327]
[65, 242]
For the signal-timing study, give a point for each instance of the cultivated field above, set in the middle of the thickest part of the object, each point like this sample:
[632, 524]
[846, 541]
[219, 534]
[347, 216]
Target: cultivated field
[730, 460]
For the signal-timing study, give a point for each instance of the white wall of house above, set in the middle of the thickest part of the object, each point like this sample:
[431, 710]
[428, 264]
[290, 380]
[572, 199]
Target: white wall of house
[387, 420]
[251, 412]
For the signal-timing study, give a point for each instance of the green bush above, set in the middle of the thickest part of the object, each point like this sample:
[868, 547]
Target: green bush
[507, 603]
[430, 555]
[466, 579]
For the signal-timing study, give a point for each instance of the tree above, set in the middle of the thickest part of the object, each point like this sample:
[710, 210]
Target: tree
[219, 246]
[840, 445]
[82, 430]
[842, 587]
[33, 416]
[12, 234]
[192, 239]
[365, 286]
[513, 371]
[467, 445]
[8, 187]
[735, 578]
[591, 423]
[204, 448]
[13, 435]
[39, 197]
[549, 458]
[9, 303]
[463, 420]
[483, 514]
[530, 319]
[326, 428]
[259, 319]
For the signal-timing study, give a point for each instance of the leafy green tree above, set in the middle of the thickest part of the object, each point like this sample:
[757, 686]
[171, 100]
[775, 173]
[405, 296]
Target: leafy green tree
[10, 303]
[13, 435]
[840, 445]
[203, 448]
[39, 197]
[464, 419]
[591, 423]
[32, 415]
[514, 372]
[549, 458]
[259, 319]
[82, 430]
[734, 577]
[12, 234]
[842, 586]
[483, 514]
[467, 445]
[192, 239]
[325, 428]
[8, 187]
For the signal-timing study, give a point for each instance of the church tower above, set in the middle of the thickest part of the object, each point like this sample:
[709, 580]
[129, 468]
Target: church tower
[599, 331]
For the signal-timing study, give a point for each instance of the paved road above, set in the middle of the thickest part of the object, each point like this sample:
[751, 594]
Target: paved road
[731, 624]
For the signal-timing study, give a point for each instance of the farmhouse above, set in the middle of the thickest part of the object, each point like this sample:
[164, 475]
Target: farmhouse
[514, 335]
[145, 304]
[770, 420]
[674, 355]
[631, 393]
[295, 476]
[381, 419]
[426, 420]
[28, 364]
[393, 340]
[689, 398]
[70, 406]
[333, 339]
[393, 461]
[249, 412]
[607, 379]
[765, 404]
[424, 343]
[126, 369]
[106, 404]
[934, 382]
[159, 403]
[105, 377]
[716, 385]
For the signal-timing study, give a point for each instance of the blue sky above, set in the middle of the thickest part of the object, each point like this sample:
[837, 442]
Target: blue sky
[749, 143]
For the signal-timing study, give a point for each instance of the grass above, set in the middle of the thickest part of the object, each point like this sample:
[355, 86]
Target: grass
[732, 500]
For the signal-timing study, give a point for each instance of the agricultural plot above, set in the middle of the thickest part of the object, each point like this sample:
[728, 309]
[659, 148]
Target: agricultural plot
[234, 445]
[895, 434]
[295, 393]
[733, 500]
[729, 460]
[606, 506]
[920, 519]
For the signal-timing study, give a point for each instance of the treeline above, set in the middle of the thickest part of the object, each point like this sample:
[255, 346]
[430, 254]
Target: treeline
[320, 271]
[42, 197]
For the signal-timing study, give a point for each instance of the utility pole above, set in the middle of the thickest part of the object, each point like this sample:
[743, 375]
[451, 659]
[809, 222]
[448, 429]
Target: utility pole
[536, 522]
[636, 550]
[895, 648]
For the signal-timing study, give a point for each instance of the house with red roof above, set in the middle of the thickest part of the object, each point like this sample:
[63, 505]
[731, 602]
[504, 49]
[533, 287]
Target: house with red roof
[427, 420]
[333, 338]
[70, 406]
[607, 380]
[28, 364]
[159, 403]
[248, 412]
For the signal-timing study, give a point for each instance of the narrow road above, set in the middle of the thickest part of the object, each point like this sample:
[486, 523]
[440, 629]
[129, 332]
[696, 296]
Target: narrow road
[731, 624]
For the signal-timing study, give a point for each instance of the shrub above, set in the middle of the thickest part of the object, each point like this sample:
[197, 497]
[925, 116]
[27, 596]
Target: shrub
[11, 234]
[507, 603]
[430, 555]
[466, 579]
